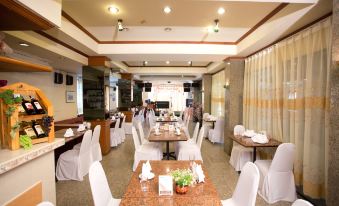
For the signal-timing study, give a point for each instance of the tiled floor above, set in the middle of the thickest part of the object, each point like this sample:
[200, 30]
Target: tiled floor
[118, 167]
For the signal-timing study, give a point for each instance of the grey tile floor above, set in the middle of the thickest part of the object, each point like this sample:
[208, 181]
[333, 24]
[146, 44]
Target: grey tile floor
[118, 168]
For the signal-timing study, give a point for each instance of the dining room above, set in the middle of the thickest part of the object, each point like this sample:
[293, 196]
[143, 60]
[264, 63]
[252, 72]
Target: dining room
[169, 103]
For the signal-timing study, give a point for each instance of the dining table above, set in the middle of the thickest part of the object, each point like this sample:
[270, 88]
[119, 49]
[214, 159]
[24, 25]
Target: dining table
[167, 135]
[248, 142]
[166, 120]
[199, 194]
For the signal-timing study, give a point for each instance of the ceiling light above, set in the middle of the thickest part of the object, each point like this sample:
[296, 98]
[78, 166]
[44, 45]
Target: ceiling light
[221, 11]
[189, 62]
[167, 9]
[145, 63]
[167, 62]
[120, 26]
[113, 9]
[216, 27]
[24, 44]
[168, 29]
[228, 63]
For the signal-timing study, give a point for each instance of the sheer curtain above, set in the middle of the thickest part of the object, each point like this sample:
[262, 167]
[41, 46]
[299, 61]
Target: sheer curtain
[286, 93]
[218, 94]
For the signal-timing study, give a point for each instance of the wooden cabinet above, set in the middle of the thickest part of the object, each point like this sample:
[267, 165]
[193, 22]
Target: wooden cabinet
[105, 141]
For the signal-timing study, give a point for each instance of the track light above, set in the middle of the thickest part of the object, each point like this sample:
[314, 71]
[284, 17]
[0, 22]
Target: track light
[120, 26]
[216, 27]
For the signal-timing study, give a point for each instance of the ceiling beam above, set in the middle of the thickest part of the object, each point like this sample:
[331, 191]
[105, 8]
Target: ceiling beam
[167, 70]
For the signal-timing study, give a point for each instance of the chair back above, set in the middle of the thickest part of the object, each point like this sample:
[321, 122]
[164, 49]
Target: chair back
[141, 133]
[187, 133]
[245, 192]
[219, 127]
[85, 158]
[200, 137]
[96, 135]
[187, 121]
[135, 138]
[195, 132]
[123, 122]
[238, 130]
[301, 202]
[117, 124]
[284, 158]
[181, 113]
[101, 192]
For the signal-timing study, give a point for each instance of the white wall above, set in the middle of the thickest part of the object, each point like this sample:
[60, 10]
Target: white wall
[56, 93]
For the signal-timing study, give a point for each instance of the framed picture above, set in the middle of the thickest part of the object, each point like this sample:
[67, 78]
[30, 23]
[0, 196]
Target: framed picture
[70, 96]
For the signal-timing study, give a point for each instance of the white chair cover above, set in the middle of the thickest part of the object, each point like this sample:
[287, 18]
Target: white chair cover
[115, 136]
[95, 145]
[205, 124]
[191, 151]
[145, 151]
[74, 164]
[192, 140]
[217, 134]
[143, 140]
[301, 202]
[240, 155]
[245, 192]
[121, 130]
[277, 179]
[101, 192]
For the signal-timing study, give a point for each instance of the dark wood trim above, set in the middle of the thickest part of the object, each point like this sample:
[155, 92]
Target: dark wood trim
[75, 23]
[166, 42]
[98, 60]
[16, 16]
[61, 43]
[264, 20]
[209, 64]
[234, 58]
[294, 32]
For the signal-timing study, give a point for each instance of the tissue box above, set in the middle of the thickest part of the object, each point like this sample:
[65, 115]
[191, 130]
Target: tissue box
[165, 185]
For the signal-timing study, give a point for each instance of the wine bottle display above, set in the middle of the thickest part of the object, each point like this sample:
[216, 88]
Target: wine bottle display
[27, 106]
[37, 106]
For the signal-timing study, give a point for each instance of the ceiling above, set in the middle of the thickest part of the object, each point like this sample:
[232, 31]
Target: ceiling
[166, 64]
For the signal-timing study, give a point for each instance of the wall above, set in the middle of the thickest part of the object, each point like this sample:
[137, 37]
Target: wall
[333, 155]
[234, 80]
[206, 95]
[56, 93]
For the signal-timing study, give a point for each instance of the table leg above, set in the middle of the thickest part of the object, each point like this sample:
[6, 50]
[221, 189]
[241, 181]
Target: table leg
[254, 154]
[167, 150]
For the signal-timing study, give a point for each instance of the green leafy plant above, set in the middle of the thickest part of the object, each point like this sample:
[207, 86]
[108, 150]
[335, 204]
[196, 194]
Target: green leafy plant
[9, 99]
[182, 177]
[25, 141]
[14, 129]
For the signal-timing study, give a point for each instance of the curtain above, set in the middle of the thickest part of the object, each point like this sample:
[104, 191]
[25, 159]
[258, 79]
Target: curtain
[218, 94]
[286, 93]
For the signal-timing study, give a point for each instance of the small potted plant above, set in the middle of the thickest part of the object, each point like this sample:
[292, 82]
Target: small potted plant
[182, 178]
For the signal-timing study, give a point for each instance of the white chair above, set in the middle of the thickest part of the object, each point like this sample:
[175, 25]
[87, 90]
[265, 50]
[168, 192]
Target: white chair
[143, 140]
[121, 130]
[217, 134]
[192, 140]
[74, 164]
[277, 179]
[240, 155]
[245, 192]
[101, 192]
[115, 136]
[144, 151]
[205, 124]
[301, 202]
[191, 151]
[45, 203]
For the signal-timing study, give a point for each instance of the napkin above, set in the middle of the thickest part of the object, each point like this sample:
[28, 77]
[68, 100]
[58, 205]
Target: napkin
[81, 128]
[113, 117]
[260, 138]
[199, 173]
[177, 131]
[146, 171]
[157, 131]
[69, 133]
[148, 165]
[249, 133]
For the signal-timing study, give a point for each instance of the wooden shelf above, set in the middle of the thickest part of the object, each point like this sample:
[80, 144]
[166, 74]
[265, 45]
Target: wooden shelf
[13, 65]
[28, 118]
[39, 140]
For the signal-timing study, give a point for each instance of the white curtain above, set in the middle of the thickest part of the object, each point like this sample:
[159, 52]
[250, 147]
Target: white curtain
[286, 93]
[218, 94]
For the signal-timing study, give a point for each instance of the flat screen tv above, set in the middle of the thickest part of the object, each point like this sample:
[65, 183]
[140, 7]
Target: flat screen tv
[148, 89]
[148, 84]
[187, 84]
[162, 104]
[189, 102]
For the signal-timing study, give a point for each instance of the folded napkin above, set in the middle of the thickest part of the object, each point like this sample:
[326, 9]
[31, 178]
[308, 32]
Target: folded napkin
[113, 117]
[148, 165]
[260, 138]
[249, 133]
[81, 128]
[69, 133]
[197, 170]
[177, 131]
[146, 170]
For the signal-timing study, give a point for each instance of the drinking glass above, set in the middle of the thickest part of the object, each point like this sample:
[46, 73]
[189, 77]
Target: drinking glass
[144, 184]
